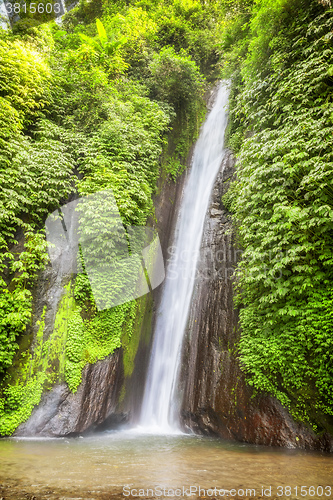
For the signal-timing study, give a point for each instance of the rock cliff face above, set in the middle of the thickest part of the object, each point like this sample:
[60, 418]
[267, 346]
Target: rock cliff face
[166, 209]
[216, 399]
[106, 398]
[62, 413]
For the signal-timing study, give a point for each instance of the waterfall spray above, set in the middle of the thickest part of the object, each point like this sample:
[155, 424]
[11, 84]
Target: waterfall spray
[159, 407]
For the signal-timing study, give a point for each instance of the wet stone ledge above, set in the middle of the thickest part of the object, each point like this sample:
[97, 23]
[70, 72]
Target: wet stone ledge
[215, 398]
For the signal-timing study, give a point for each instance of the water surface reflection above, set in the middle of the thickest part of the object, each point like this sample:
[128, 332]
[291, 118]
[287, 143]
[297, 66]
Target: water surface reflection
[105, 463]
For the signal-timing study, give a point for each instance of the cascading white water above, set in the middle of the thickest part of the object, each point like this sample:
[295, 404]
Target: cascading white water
[158, 411]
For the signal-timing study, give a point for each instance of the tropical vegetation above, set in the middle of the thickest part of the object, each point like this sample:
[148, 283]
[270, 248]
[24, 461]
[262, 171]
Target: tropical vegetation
[111, 98]
[280, 56]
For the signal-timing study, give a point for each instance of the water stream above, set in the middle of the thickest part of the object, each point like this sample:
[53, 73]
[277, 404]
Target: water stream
[159, 408]
[154, 457]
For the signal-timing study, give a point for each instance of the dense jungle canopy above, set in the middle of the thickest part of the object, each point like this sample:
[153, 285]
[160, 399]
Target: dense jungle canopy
[113, 97]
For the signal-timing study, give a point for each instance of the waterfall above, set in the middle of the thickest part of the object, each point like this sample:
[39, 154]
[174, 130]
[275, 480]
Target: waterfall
[159, 406]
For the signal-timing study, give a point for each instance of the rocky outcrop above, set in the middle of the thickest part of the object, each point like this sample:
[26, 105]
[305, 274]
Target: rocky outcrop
[216, 398]
[62, 412]
[166, 204]
[106, 397]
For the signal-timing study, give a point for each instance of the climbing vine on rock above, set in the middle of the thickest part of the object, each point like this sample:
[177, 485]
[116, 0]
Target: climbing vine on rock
[84, 108]
[282, 201]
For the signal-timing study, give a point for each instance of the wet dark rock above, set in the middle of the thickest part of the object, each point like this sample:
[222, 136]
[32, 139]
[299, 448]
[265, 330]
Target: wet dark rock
[216, 399]
[97, 404]
[166, 204]
[63, 413]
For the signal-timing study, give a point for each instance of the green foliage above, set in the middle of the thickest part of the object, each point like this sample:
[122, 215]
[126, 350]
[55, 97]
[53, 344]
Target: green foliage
[174, 168]
[18, 402]
[15, 301]
[10, 119]
[87, 107]
[175, 78]
[129, 145]
[36, 369]
[82, 291]
[34, 175]
[234, 39]
[283, 206]
[193, 26]
[267, 19]
[92, 334]
[85, 12]
[139, 29]
[102, 51]
[15, 313]
[108, 43]
[93, 339]
[23, 78]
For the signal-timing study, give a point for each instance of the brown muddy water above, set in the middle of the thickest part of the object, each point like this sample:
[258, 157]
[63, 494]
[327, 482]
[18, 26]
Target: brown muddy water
[127, 464]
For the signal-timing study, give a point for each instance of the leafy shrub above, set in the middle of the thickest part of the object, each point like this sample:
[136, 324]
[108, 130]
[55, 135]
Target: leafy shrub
[283, 207]
[93, 339]
[24, 77]
[176, 79]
